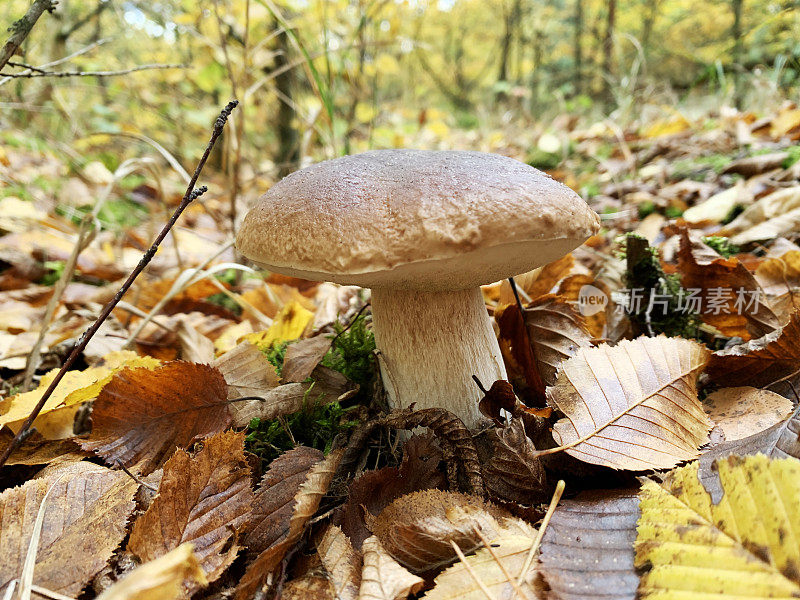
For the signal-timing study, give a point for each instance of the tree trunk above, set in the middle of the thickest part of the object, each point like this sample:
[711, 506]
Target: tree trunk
[288, 138]
[737, 6]
[608, 53]
[578, 47]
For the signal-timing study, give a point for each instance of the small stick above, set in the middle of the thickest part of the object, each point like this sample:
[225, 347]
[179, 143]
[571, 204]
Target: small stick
[20, 29]
[539, 536]
[30, 74]
[136, 478]
[191, 195]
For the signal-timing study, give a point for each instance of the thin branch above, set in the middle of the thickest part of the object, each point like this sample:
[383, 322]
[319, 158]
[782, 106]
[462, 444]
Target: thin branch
[20, 29]
[63, 59]
[40, 73]
[190, 195]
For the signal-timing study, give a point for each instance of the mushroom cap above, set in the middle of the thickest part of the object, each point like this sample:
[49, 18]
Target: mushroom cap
[415, 219]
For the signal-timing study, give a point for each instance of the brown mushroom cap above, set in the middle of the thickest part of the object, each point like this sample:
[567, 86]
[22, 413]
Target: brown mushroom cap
[415, 219]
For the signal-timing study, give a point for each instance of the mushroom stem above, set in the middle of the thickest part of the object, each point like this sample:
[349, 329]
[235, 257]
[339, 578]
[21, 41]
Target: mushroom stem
[431, 344]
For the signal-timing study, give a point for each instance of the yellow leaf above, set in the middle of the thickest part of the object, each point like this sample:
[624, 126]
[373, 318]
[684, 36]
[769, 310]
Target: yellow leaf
[671, 126]
[745, 546]
[787, 122]
[55, 419]
[289, 324]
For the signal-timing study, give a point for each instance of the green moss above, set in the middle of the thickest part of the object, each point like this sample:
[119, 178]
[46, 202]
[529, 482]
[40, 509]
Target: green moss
[721, 245]
[276, 354]
[55, 268]
[543, 160]
[794, 156]
[646, 208]
[352, 352]
[222, 299]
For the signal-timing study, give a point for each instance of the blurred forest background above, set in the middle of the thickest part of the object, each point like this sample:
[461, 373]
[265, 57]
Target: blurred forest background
[320, 78]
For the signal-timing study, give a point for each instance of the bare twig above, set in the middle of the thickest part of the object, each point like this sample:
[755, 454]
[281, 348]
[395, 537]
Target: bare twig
[67, 58]
[190, 195]
[35, 72]
[21, 28]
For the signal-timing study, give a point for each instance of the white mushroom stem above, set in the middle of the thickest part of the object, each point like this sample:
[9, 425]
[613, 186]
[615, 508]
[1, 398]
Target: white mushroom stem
[431, 344]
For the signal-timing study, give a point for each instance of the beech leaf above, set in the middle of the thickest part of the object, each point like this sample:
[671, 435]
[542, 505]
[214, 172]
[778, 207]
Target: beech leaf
[744, 411]
[342, 563]
[203, 499]
[746, 545]
[85, 519]
[514, 473]
[247, 371]
[142, 416]
[302, 357]
[632, 406]
[382, 577]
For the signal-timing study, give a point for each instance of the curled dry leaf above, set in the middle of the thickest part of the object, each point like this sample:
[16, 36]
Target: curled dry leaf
[744, 411]
[302, 357]
[204, 499]
[514, 473]
[779, 275]
[730, 296]
[556, 330]
[306, 501]
[85, 519]
[632, 406]
[372, 491]
[587, 549]
[495, 571]
[247, 371]
[687, 540]
[142, 416]
[342, 563]
[195, 347]
[35, 450]
[311, 586]
[164, 578]
[518, 353]
[764, 362]
[417, 528]
[382, 577]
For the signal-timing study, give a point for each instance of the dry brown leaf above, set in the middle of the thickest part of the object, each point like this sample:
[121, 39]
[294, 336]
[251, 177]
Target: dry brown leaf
[416, 529]
[492, 572]
[514, 473]
[36, 450]
[85, 519]
[779, 275]
[570, 289]
[318, 479]
[518, 354]
[556, 330]
[549, 276]
[720, 280]
[195, 347]
[142, 416]
[763, 362]
[782, 224]
[311, 586]
[342, 563]
[247, 371]
[302, 357]
[204, 499]
[779, 202]
[743, 411]
[587, 549]
[632, 406]
[382, 577]
[165, 578]
[372, 491]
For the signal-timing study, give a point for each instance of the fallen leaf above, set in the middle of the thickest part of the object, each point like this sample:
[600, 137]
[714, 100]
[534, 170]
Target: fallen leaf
[763, 362]
[311, 586]
[717, 207]
[85, 519]
[755, 165]
[302, 357]
[247, 371]
[341, 562]
[416, 529]
[518, 352]
[779, 275]
[306, 502]
[779, 202]
[164, 578]
[744, 411]
[203, 499]
[632, 406]
[570, 291]
[36, 450]
[195, 347]
[684, 537]
[290, 323]
[382, 577]
[514, 473]
[142, 416]
[729, 295]
[782, 224]
[587, 549]
[556, 330]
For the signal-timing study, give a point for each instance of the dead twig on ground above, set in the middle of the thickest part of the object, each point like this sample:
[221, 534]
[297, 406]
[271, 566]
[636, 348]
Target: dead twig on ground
[20, 29]
[190, 195]
[33, 72]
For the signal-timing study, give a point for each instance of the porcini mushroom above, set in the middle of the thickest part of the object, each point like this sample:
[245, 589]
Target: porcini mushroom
[423, 229]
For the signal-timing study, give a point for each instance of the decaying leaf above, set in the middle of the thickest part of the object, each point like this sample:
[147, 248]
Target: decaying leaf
[203, 499]
[142, 416]
[35, 450]
[290, 323]
[731, 299]
[763, 362]
[744, 546]
[195, 347]
[164, 578]
[556, 330]
[305, 503]
[779, 275]
[302, 358]
[416, 529]
[744, 411]
[514, 473]
[518, 352]
[587, 549]
[497, 571]
[85, 519]
[342, 563]
[247, 371]
[382, 577]
[632, 406]
[311, 586]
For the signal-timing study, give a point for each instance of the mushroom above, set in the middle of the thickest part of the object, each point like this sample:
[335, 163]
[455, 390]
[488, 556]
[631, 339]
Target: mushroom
[423, 230]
